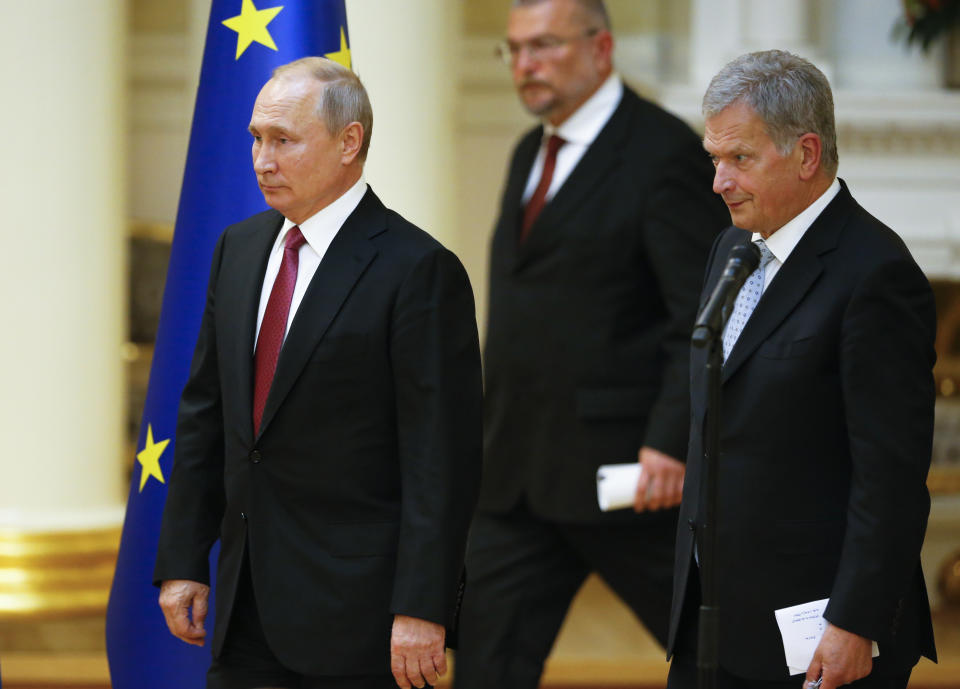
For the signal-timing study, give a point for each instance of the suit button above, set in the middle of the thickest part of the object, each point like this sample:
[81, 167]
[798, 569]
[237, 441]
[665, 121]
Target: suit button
[692, 524]
[243, 516]
[255, 456]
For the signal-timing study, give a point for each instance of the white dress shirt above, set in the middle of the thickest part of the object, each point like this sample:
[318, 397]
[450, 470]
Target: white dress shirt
[782, 242]
[579, 130]
[319, 230]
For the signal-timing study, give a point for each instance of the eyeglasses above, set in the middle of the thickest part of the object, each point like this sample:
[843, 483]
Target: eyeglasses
[537, 48]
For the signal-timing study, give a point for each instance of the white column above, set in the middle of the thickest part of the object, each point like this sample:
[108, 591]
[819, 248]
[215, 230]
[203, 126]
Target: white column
[716, 38]
[866, 54]
[407, 54]
[723, 29]
[63, 238]
[783, 24]
[62, 283]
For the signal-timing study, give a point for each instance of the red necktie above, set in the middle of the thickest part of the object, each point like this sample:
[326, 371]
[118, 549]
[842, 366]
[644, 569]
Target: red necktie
[539, 198]
[274, 323]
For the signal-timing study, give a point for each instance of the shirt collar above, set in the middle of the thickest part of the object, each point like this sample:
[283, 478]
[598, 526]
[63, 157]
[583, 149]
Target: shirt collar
[320, 227]
[782, 242]
[586, 121]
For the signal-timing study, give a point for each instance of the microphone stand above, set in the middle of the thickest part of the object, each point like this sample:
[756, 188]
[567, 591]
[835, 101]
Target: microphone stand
[708, 641]
[708, 334]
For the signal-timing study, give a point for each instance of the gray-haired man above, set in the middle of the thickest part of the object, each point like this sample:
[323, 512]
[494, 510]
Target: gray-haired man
[827, 405]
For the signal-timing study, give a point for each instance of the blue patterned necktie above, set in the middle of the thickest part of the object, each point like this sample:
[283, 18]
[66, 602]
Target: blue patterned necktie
[747, 299]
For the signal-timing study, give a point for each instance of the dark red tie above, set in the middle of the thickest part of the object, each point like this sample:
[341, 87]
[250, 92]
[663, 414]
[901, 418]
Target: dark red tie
[539, 198]
[274, 323]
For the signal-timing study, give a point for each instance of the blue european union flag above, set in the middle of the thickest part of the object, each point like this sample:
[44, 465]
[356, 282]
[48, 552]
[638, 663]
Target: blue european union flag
[246, 39]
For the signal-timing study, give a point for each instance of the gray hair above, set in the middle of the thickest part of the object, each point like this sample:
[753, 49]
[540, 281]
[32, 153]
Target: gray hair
[790, 95]
[343, 99]
[595, 10]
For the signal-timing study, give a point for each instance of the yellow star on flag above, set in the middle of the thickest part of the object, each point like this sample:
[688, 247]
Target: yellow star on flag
[343, 55]
[149, 458]
[251, 25]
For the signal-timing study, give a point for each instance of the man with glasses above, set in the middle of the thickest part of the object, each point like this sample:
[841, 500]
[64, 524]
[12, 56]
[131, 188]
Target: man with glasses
[597, 260]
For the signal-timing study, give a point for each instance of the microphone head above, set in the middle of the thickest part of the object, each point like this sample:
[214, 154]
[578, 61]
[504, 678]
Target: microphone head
[743, 260]
[747, 254]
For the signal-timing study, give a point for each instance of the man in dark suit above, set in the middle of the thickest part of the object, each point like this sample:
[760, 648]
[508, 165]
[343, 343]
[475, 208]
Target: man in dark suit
[597, 258]
[329, 433]
[827, 404]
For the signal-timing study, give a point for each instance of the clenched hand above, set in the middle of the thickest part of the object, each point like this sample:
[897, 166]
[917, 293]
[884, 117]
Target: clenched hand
[180, 597]
[840, 658]
[661, 481]
[417, 652]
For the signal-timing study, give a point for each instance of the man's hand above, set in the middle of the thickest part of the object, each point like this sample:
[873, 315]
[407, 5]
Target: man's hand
[417, 652]
[661, 481]
[177, 597]
[841, 657]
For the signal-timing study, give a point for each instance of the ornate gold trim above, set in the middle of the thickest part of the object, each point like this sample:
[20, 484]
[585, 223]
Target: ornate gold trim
[155, 231]
[56, 574]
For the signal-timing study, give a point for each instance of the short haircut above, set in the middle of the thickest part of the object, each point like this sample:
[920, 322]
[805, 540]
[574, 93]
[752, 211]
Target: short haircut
[595, 10]
[790, 95]
[343, 99]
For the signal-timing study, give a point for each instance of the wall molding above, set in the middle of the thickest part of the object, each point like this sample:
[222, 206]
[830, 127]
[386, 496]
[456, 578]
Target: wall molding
[158, 78]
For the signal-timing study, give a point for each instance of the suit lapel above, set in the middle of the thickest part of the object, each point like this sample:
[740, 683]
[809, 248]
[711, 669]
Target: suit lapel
[508, 229]
[603, 155]
[792, 282]
[342, 265]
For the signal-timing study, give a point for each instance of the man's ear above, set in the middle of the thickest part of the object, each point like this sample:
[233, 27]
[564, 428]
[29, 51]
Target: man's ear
[603, 49]
[351, 141]
[811, 149]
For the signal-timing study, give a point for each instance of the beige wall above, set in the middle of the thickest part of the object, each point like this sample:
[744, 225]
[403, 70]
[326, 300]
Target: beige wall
[169, 16]
[488, 17]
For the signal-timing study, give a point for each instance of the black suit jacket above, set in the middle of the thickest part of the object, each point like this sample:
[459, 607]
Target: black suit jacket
[587, 349]
[354, 499]
[826, 437]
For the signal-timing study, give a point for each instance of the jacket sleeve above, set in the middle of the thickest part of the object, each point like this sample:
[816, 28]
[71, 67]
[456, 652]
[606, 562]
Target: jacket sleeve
[195, 498]
[435, 357]
[887, 357]
[682, 219]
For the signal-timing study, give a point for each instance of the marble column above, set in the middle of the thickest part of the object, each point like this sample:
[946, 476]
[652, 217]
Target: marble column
[61, 401]
[723, 29]
[412, 76]
[783, 24]
[859, 34]
[715, 38]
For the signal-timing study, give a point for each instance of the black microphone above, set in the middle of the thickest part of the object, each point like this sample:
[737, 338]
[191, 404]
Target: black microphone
[743, 260]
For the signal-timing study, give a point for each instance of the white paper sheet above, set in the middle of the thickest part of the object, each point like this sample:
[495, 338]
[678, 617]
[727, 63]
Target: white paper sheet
[617, 485]
[801, 627]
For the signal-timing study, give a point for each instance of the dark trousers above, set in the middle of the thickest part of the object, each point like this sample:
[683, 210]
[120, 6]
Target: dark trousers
[522, 574]
[683, 669]
[247, 662]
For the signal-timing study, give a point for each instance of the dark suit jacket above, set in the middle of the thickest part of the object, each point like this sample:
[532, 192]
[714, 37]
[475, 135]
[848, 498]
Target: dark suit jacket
[587, 348]
[826, 437]
[354, 499]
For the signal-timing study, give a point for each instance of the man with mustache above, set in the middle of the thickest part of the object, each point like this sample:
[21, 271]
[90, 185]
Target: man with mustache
[605, 225]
